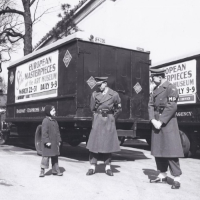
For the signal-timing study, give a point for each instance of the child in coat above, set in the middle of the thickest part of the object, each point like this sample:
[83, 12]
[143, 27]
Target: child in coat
[51, 141]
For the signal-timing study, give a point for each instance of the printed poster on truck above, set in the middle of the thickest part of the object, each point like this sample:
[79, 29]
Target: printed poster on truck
[37, 79]
[183, 76]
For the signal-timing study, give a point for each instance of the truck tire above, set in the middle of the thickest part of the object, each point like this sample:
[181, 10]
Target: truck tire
[185, 143]
[38, 140]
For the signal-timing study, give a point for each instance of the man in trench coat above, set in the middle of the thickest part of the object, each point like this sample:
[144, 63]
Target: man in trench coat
[103, 140]
[165, 142]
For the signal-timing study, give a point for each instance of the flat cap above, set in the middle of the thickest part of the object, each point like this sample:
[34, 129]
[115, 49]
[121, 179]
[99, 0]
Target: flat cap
[100, 80]
[158, 71]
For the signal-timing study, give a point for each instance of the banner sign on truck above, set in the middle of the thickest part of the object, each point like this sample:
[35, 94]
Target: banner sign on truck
[183, 76]
[37, 79]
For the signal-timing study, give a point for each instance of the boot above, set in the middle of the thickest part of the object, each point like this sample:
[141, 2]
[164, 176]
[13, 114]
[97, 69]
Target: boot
[42, 172]
[108, 170]
[90, 172]
[176, 185]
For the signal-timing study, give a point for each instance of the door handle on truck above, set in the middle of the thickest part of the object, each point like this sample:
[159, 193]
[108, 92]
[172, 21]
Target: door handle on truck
[122, 91]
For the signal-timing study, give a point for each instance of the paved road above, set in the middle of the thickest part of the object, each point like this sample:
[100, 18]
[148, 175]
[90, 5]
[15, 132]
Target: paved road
[133, 166]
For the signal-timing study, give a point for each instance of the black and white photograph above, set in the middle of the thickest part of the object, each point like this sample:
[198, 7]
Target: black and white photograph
[99, 99]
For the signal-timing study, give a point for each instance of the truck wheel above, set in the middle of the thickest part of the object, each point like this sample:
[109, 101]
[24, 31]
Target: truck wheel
[185, 143]
[4, 137]
[38, 140]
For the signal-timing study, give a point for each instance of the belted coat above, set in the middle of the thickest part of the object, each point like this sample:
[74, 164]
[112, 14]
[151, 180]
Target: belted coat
[103, 136]
[50, 133]
[162, 106]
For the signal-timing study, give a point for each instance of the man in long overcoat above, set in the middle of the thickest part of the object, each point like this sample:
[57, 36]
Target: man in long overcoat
[165, 142]
[103, 140]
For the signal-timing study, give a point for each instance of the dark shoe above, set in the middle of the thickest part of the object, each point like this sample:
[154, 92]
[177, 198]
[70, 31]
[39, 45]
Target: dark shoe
[159, 180]
[109, 172]
[42, 173]
[90, 172]
[58, 174]
[176, 185]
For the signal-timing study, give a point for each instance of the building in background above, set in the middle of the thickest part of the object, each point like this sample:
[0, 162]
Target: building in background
[93, 16]
[163, 27]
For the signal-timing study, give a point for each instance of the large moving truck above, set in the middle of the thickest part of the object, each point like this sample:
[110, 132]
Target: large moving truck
[62, 74]
[185, 74]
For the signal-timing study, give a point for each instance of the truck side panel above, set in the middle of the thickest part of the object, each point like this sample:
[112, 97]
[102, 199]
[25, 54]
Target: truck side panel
[67, 74]
[88, 67]
[67, 80]
[123, 80]
[140, 85]
[125, 69]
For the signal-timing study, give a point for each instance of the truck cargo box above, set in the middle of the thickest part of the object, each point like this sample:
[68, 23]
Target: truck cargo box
[62, 74]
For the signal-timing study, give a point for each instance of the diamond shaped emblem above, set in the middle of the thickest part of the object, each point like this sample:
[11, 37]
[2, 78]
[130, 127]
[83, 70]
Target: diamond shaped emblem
[67, 58]
[91, 82]
[137, 88]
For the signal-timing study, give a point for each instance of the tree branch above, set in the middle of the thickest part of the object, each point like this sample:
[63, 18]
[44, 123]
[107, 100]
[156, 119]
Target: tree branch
[9, 10]
[45, 12]
[35, 10]
[32, 2]
[14, 41]
[12, 33]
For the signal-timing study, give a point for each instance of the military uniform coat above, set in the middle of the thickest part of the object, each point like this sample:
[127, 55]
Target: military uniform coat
[103, 136]
[165, 142]
[50, 133]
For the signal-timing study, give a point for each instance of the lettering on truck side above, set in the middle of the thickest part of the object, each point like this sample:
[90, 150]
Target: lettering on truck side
[184, 114]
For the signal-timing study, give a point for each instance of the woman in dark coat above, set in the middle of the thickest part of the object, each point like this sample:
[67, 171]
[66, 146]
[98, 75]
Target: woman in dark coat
[165, 142]
[51, 141]
[105, 105]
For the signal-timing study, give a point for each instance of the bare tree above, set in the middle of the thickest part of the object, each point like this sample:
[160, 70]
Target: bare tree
[16, 24]
[8, 36]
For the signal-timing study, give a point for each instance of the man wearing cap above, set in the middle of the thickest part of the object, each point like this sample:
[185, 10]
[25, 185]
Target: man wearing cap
[165, 142]
[105, 104]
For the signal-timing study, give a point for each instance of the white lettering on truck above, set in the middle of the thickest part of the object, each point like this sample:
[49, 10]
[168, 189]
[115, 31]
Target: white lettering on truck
[183, 76]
